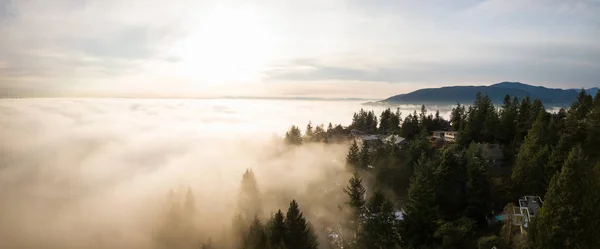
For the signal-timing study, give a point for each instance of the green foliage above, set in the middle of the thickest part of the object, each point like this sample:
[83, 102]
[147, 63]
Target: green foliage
[276, 229]
[528, 174]
[293, 136]
[356, 201]
[309, 133]
[353, 157]
[365, 121]
[481, 123]
[421, 210]
[507, 126]
[563, 221]
[523, 119]
[298, 234]
[450, 177]
[448, 191]
[364, 156]
[380, 228]
[592, 127]
[488, 242]
[256, 238]
[509, 229]
[457, 117]
[456, 234]
[477, 186]
[410, 127]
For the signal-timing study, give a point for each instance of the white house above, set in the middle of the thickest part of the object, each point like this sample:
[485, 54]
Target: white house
[447, 136]
[527, 210]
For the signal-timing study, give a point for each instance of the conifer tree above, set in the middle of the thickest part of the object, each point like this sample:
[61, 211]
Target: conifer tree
[410, 126]
[421, 212]
[450, 178]
[356, 200]
[364, 156]
[574, 123]
[276, 229]
[299, 235]
[592, 127]
[508, 115]
[249, 197]
[353, 157]
[380, 225]
[256, 238]
[477, 186]
[384, 121]
[293, 136]
[557, 157]
[564, 219]
[534, 110]
[528, 174]
[508, 229]
[394, 122]
[309, 134]
[457, 117]
[523, 119]
[490, 121]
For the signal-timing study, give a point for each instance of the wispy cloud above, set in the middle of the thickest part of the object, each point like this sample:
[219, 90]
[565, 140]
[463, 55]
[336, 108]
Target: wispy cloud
[132, 47]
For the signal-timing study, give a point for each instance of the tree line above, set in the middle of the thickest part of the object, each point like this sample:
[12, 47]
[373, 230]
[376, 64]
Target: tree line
[434, 195]
[448, 193]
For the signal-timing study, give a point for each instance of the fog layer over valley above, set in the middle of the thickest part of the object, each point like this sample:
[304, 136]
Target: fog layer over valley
[96, 173]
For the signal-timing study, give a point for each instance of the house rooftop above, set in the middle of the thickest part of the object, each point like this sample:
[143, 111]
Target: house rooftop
[532, 203]
[370, 137]
[394, 139]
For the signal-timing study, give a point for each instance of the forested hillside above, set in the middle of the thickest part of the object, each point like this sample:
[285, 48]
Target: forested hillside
[431, 193]
[450, 194]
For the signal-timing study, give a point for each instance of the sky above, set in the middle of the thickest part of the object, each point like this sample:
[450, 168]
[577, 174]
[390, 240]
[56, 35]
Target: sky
[284, 48]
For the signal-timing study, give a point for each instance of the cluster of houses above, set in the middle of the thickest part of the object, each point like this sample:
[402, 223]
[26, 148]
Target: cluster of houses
[491, 152]
[521, 216]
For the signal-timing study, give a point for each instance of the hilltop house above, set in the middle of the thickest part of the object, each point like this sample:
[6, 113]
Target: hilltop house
[374, 141]
[445, 136]
[526, 211]
[395, 140]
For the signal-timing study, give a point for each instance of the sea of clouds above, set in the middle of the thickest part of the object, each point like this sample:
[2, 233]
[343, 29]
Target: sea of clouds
[93, 173]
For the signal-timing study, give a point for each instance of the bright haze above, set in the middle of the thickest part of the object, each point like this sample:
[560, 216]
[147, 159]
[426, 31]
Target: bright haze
[96, 172]
[136, 108]
[369, 49]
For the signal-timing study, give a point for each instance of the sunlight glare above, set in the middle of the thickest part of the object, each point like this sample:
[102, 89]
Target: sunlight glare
[229, 45]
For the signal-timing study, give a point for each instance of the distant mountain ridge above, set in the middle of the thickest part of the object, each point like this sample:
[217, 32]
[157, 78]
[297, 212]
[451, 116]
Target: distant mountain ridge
[496, 92]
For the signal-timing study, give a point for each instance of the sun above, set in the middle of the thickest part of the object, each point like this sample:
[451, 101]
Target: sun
[228, 45]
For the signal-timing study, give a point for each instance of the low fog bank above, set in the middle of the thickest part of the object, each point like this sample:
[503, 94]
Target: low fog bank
[96, 173]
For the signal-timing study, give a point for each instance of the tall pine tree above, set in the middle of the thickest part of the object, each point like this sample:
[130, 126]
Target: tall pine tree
[421, 211]
[299, 234]
[380, 228]
[450, 182]
[356, 200]
[528, 174]
[477, 186]
[564, 219]
[293, 136]
[353, 157]
[276, 229]
[249, 200]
